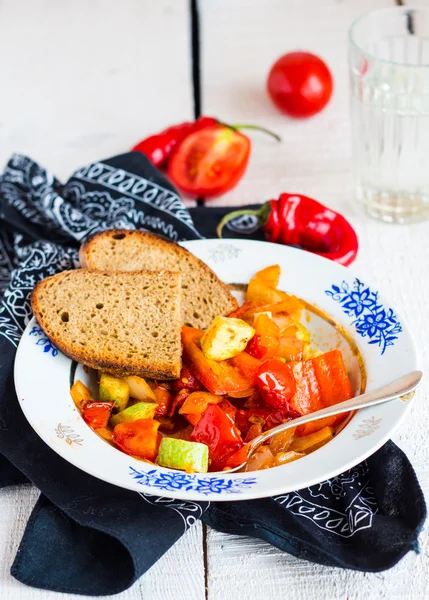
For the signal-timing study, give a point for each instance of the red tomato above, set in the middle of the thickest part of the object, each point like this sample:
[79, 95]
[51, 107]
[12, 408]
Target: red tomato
[97, 414]
[300, 84]
[276, 384]
[217, 430]
[209, 162]
[268, 418]
[138, 438]
[187, 381]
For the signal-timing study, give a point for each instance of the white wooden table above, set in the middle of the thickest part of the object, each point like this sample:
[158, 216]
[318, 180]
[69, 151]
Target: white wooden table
[85, 79]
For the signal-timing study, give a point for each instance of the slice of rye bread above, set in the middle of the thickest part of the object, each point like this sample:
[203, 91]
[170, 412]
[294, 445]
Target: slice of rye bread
[204, 295]
[121, 323]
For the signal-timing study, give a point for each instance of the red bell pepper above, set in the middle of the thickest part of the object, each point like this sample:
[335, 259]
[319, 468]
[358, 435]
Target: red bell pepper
[216, 429]
[245, 418]
[307, 397]
[138, 438]
[196, 404]
[178, 401]
[331, 374]
[164, 400]
[296, 220]
[276, 384]
[187, 380]
[219, 377]
[320, 382]
[97, 414]
[229, 409]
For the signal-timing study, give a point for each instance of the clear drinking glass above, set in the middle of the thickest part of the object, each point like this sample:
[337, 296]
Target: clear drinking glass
[389, 75]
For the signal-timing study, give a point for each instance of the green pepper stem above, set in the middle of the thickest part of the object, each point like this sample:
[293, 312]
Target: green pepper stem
[255, 128]
[233, 215]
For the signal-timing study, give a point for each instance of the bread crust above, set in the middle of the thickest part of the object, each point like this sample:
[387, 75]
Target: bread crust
[120, 367]
[167, 246]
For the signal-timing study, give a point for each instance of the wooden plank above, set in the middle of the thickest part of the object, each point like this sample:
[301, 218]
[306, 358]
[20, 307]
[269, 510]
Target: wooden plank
[83, 81]
[179, 573]
[240, 42]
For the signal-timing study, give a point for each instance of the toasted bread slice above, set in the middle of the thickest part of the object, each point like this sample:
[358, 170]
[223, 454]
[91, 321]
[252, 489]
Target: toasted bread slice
[204, 295]
[121, 323]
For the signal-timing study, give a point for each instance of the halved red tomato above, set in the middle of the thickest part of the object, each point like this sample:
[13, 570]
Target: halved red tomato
[209, 162]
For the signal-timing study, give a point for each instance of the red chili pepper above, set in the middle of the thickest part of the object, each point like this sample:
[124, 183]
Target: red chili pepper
[159, 147]
[297, 220]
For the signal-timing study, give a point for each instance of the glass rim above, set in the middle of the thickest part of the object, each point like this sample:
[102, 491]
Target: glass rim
[397, 9]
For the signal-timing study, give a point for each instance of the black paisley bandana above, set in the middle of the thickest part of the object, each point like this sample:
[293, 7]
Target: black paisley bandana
[365, 519]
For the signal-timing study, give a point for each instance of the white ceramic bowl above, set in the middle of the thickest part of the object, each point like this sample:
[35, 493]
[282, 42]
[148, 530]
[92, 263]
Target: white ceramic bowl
[43, 375]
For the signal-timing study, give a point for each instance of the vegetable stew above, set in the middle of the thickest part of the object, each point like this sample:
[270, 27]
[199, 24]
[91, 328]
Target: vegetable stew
[245, 374]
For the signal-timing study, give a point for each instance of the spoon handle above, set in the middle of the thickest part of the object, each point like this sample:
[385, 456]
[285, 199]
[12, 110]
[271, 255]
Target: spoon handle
[399, 387]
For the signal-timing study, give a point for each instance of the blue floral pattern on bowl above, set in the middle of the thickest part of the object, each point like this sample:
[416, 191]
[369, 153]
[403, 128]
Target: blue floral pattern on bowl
[371, 319]
[43, 341]
[177, 481]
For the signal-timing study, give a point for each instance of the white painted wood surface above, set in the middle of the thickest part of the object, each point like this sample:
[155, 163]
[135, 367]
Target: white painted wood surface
[64, 109]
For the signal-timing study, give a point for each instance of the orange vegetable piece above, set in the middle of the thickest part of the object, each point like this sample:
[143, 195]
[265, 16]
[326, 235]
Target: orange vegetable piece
[164, 400]
[80, 394]
[97, 414]
[139, 438]
[259, 290]
[270, 275]
[265, 342]
[291, 349]
[197, 402]
[105, 433]
[247, 365]
[307, 397]
[219, 377]
[236, 458]
[314, 426]
[301, 444]
[331, 374]
[246, 311]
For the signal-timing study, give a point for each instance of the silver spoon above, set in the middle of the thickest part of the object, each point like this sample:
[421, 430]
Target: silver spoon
[390, 391]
